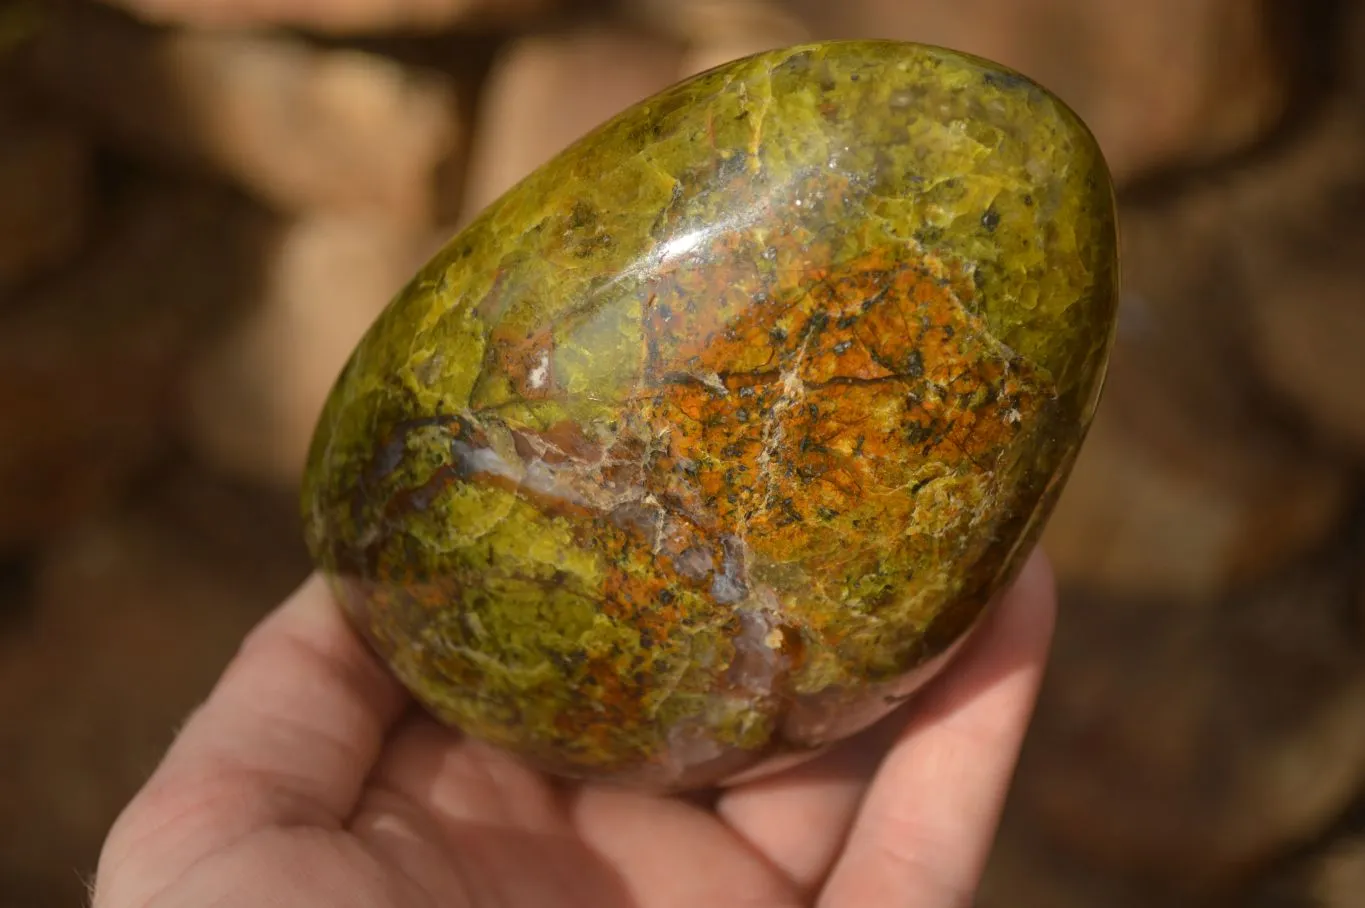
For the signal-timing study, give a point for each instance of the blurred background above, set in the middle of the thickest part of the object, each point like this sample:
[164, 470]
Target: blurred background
[203, 203]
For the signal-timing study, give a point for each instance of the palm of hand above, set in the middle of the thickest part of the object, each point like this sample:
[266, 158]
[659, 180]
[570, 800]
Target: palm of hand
[306, 780]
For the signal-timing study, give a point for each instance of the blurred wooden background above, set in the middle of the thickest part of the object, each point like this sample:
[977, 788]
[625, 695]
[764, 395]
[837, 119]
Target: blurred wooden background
[203, 203]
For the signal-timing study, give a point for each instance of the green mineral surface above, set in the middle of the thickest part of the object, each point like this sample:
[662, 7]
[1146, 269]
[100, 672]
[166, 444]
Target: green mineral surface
[708, 438]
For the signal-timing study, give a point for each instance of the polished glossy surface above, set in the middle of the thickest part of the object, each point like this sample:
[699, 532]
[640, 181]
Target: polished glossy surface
[710, 439]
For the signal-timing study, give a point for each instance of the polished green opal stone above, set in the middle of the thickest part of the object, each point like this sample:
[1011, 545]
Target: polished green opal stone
[709, 440]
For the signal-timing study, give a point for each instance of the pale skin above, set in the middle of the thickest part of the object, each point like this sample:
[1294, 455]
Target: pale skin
[308, 779]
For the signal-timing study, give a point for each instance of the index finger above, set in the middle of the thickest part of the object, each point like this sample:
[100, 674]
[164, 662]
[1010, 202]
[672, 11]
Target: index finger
[287, 737]
[925, 826]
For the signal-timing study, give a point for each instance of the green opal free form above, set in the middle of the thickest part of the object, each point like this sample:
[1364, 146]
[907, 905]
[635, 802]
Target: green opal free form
[707, 442]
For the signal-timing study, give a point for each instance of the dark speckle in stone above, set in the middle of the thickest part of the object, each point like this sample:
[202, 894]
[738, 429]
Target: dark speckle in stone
[1007, 80]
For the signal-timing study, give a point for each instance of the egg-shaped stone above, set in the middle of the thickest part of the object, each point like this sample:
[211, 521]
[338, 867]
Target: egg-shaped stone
[709, 440]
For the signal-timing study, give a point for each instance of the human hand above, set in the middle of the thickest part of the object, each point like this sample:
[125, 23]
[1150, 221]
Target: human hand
[307, 780]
